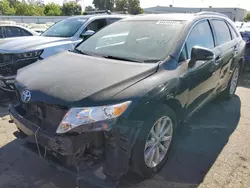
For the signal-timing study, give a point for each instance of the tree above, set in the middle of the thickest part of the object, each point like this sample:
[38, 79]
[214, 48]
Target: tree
[132, 6]
[5, 8]
[247, 18]
[12, 2]
[28, 9]
[71, 8]
[104, 4]
[121, 5]
[52, 9]
[89, 8]
[36, 10]
[22, 8]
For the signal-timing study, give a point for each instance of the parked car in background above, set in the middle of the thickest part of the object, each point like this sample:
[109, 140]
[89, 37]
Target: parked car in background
[120, 96]
[62, 36]
[39, 28]
[11, 31]
[245, 34]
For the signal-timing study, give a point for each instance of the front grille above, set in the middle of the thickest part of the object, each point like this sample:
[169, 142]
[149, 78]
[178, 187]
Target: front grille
[7, 70]
[47, 117]
[24, 62]
[9, 64]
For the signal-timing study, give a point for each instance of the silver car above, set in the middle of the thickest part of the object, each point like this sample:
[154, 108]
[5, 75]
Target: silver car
[19, 52]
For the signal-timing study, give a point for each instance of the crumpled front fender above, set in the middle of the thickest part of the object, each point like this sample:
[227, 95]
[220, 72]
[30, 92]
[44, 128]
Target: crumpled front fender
[118, 147]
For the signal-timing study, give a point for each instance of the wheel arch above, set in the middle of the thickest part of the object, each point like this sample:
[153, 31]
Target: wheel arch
[176, 106]
[241, 63]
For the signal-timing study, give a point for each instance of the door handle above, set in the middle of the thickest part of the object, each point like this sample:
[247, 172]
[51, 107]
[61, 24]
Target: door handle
[217, 59]
[236, 48]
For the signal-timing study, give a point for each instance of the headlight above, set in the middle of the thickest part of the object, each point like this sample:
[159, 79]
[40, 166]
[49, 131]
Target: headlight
[27, 55]
[91, 118]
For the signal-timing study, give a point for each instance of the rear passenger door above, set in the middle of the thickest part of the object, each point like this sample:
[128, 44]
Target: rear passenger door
[227, 46]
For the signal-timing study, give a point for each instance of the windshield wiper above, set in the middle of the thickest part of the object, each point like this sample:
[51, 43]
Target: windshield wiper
[81, 52]
[121, 58]
[151, 61]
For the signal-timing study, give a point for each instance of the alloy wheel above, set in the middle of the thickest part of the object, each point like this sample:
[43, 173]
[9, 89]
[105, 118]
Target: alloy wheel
[158, 141]
[234, 81]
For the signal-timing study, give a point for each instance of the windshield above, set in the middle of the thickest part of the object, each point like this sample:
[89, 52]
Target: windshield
[65, 28]
[135, 40]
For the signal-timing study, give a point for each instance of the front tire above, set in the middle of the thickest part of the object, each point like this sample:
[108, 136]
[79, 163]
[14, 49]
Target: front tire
[151, 149]
[232, 84]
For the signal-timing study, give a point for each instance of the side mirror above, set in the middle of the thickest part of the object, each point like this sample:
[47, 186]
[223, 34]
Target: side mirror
[200, 54]
[87, 34]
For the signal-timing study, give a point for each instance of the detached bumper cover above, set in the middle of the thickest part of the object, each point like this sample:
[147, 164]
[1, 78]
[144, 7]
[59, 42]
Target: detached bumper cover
[60, 144]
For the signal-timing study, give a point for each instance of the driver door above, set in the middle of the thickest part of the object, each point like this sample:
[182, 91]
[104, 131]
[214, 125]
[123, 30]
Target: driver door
[204, 75]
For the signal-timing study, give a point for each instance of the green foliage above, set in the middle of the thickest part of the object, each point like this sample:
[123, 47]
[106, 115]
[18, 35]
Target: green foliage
[37, 7]
[132, 6]
[52, 9]
[6, 9]
[28, 9]
[104, 4]
[247, 18]
[71, 8]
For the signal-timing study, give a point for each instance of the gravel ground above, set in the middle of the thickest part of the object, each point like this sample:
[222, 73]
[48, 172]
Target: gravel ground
[212, 150]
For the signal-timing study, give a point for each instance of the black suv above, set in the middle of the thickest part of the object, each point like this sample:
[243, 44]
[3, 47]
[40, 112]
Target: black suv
[121, 95]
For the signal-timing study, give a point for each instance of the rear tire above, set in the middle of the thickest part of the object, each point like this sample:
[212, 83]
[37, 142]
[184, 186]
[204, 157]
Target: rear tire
[147, 159]
[232, 84]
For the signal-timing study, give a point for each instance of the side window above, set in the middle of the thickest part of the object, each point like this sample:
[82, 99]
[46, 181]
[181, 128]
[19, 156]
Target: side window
[201, 35]
[25, 33]
[96, 25]
[112, 20]
[233, 32]
[222, 32]
[13, 31]
[1, 32]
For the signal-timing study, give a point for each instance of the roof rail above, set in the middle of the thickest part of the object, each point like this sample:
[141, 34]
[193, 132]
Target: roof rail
[97, 12]
[104, 12]
[210, 13]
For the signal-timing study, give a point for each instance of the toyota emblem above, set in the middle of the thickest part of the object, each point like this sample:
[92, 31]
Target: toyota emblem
[26, 96]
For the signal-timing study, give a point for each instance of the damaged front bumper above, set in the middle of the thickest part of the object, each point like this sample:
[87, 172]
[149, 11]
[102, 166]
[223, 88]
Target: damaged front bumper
[116, 144]
[60, 144]
[7, 83]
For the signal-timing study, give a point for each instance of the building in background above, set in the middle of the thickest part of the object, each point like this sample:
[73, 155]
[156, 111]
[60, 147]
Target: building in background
[235, 14]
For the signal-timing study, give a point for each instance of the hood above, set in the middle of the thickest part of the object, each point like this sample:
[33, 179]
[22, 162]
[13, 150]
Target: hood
[30, 43]
[72, 79]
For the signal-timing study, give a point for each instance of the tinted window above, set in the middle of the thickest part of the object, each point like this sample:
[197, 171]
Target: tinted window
[233, 33]
[97, 25]
[1, 32]
[13, 32]
[65, 28]
[144, 40]
[25, 33]
[201, 35]
[112, 20]
[221, 31]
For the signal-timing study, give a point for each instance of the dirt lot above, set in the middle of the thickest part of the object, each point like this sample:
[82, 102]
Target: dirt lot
[213, 150]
